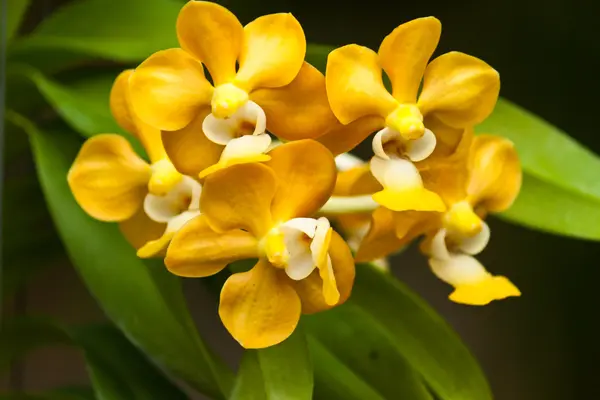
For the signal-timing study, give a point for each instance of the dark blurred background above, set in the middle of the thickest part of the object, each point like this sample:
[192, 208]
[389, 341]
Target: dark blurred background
[540, 346]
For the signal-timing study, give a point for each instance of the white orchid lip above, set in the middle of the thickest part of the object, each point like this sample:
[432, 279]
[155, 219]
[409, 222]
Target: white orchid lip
[249, 119]
[177, 206]
[246, 147]
[388, 144]
[396, 173]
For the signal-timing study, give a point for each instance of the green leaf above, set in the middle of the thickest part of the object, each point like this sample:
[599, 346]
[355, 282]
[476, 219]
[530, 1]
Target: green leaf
[334, 379]
[144, 301]
[15, 11]
[417, 332]
[118, 370]
[283, 371]
[68, 393]
[359, 344]
[249, 384]
[561, 183]
[126, 31]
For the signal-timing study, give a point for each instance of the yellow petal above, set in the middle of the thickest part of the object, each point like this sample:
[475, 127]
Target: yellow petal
[343, 138]
[272, 52]
[157, 247]
[239, 197]
[381, 240]
[484, 292]
[417, 199]
[189, 149]
[140, 229]
[310, 289]
[354, 84]
[120, 102]
[259, 307]
[213, 35]
[169, 89]
[448, 139]
[405, 52]
[299, 110]
[198, 251]
[495, 173]
[306, 175]
[108, 179]
[459, 89]
[120, 106]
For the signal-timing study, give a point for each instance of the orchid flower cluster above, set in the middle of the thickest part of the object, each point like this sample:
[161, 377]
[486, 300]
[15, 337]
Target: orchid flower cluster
[214, 187]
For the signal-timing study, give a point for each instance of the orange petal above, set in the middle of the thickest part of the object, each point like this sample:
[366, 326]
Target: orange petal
[343, 138]
[213, 35]
[272, 52]
[495, 173]
[108, 179]
[381, 240]
[140, 229]
[299, 110]
[405, 52]
[306, 175]
[354, 84]
[239, 197]
[259, 307]
[120, 106]
[198, 251]
[189, 149]
[310, 289]
[460, 89]
[169, 89]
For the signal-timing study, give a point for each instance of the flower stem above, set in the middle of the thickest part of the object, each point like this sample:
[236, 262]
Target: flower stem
[349, 205]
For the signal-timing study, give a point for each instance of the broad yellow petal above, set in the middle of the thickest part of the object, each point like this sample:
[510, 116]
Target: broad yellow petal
[169, 89]
[198, 251]
[354, 84]
[189, 149]
[259, 307]
[120, 106]
[343, 138]
[459, 89]
[494, 173]
[299, 110]
[108, 179]
[213, 35]
[381, 240]
[484, 292]
[306, 175]
[156, 247]
[239, 197]
[310, 289]
[412, 224]
[272, 52]
[140, 229]
[405, 52]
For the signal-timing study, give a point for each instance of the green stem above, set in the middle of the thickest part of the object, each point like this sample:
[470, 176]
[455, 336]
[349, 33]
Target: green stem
[349, 205]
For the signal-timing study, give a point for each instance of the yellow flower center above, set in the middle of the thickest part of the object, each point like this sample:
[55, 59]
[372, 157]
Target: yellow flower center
[275, 249]
[164, 177]
[227, 99]
[407, 120]
[461, 219]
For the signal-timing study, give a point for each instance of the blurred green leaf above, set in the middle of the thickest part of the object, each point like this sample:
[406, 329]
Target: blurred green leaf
[143, 299]
[117, 369]
[355, 341]
[417, 332]
[561, 183]
[15, 11]
[283, 371]
[126, 31]
[334, 379]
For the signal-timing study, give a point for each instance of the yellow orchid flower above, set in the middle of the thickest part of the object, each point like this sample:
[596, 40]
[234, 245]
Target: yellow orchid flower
[151, 201]
[458, 92]
[265, 211]
[487, 179]
[260, 79]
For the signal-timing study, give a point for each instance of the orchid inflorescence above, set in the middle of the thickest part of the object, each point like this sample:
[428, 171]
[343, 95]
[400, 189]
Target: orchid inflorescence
[216, 188]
